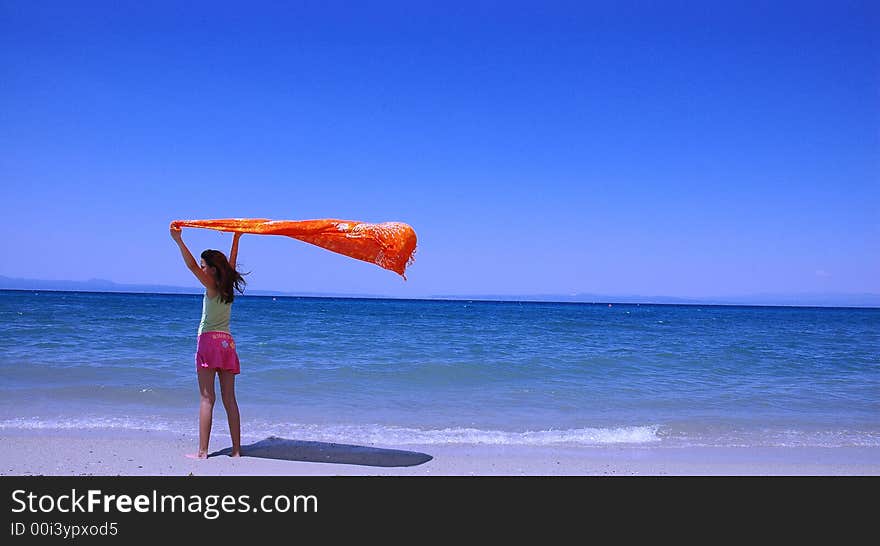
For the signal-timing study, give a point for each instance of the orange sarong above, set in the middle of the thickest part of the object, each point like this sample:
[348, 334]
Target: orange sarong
[389, 245]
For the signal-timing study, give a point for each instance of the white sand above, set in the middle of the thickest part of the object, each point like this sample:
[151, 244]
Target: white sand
[78, 453]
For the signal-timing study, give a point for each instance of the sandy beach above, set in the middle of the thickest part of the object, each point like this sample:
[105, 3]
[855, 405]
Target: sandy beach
[102, 453]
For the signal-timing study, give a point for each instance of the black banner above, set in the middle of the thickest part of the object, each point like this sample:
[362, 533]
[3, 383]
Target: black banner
[251, 508]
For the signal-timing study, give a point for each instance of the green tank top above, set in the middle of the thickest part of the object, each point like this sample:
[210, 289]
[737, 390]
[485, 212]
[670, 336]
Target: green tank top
[215, 315]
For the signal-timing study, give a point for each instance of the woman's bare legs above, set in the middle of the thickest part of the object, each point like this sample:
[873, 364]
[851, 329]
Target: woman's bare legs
[206, 409]
[227, 392]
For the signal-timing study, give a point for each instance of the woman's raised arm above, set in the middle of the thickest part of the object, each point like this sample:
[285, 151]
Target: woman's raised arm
[233, 253]
[191, 263]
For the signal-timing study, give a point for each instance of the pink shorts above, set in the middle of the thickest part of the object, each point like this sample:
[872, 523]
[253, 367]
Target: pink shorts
[216, 350]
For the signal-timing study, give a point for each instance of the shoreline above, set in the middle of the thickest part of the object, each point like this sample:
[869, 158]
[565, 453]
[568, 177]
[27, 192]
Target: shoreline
[151, 453]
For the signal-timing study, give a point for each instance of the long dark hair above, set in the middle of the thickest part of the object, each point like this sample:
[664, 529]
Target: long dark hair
[227, 278]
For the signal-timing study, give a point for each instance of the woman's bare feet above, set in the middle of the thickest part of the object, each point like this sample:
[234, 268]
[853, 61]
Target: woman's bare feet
[199, 455]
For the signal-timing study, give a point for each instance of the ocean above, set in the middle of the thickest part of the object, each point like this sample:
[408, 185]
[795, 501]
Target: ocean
[391, 372]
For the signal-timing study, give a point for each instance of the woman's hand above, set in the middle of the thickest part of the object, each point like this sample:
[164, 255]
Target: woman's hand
[176, 233]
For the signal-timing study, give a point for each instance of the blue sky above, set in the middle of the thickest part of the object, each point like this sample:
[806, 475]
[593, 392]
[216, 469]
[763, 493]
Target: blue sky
[676, 148]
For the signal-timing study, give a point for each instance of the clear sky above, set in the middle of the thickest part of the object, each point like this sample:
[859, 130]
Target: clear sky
[659, 148]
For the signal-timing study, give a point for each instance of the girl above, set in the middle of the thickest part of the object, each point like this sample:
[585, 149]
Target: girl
[215, 349]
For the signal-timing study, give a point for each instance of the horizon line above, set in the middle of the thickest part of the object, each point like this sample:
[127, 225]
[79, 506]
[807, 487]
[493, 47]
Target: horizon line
[476, 299]
[824, 299]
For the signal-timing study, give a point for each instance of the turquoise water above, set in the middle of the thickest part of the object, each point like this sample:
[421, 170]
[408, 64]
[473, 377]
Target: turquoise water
[406, 372]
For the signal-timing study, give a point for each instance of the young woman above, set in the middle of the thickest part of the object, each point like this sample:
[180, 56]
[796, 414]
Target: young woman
[215, 349]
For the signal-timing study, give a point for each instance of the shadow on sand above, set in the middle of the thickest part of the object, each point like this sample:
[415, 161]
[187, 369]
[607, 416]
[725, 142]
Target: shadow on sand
[323, 452]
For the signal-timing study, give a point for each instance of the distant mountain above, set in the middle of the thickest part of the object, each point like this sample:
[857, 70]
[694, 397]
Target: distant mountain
[103, 285]
[91, 285]
[796, 300]
[799, 300]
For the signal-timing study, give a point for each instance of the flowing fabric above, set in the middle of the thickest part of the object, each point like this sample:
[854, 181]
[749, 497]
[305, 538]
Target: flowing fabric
[389, 245]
